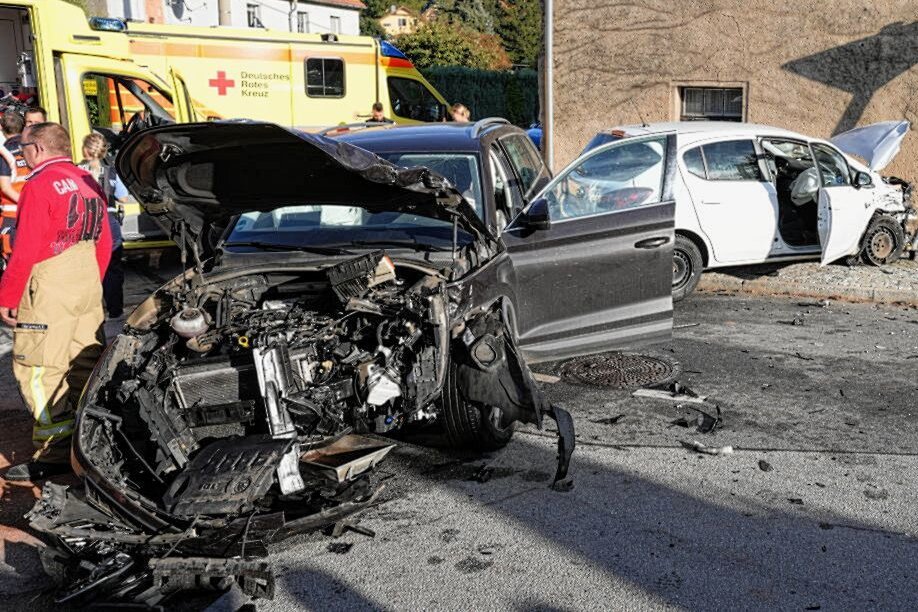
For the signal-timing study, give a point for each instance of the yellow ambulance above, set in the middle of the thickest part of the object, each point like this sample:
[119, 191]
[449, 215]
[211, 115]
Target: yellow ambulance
[115, 77]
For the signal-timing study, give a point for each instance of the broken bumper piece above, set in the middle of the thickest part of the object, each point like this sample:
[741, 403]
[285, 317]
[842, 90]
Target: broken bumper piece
[98, 558]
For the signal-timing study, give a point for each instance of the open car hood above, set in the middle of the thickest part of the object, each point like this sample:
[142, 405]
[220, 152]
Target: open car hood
[877, 144]
[188, 176]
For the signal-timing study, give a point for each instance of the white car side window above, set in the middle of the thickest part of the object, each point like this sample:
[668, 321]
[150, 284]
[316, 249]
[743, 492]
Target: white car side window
[734, 160]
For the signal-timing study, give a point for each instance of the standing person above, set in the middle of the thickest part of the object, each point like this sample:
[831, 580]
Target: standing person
[95, 148]
[377, 115]
[13, 170]
[51, 293]
[460, 113]
[35, 115]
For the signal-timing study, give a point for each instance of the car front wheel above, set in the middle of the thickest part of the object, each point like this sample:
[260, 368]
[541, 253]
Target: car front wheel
[687, 267]
[883, 241]
[470, 424]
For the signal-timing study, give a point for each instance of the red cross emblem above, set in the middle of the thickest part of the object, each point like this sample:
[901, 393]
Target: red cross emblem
[222, 83]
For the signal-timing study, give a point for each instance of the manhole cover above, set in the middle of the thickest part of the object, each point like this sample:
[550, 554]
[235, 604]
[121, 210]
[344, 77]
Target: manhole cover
[620, 370]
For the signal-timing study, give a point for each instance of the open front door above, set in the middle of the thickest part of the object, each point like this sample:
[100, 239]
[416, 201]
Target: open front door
[597, 273]
[843, 217]
[844, 210]
[184, 107]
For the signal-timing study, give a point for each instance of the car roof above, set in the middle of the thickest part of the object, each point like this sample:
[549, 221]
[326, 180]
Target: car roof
[697, 130]
[458, 137]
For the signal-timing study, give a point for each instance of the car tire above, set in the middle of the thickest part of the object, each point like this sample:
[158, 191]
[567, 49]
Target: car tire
[468, 424]
[687, 267]
[883, 241]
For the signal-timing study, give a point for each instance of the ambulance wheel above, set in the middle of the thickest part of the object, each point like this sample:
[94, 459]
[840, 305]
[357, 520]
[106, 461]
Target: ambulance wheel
[883, 241]
[687, 267]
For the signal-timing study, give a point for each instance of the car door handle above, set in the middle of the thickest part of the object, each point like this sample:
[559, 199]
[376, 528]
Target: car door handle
[652, 243]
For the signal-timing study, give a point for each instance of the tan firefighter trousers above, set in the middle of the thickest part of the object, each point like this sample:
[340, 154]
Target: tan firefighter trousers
[57, 341]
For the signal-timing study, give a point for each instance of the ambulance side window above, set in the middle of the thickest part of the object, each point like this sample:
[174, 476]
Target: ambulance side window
[119, 105]
[410, 99]
[324, 77]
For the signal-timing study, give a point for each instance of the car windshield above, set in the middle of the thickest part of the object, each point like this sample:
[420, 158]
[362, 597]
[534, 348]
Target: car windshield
[341, 226]
[344, 226]
[461, 170]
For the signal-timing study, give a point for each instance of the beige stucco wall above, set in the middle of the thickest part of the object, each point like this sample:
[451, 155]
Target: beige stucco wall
[814, 66]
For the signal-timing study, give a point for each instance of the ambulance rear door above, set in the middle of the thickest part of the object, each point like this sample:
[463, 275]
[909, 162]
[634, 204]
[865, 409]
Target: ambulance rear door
[184, 107]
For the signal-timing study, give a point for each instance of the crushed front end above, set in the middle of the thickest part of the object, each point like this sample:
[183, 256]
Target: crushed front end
[238, 410]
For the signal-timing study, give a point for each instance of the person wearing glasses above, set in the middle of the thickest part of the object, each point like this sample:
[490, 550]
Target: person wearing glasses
[51, 293]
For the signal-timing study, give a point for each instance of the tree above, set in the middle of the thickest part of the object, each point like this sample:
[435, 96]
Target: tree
[520, 28]
[369, 17]
[470, 13]
[440, 44]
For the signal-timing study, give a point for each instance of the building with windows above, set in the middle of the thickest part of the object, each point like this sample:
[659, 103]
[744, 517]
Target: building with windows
[310, 16]
[820, 68]
[398, 20]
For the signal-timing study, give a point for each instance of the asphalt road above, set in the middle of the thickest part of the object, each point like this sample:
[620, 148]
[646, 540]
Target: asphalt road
[827, 402]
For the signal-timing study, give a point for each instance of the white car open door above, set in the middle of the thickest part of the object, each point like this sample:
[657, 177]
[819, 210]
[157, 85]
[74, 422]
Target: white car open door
[844, 210]
[843, 216]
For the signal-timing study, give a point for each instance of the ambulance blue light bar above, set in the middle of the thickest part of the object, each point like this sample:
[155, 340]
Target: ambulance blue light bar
[387, 49]
[107, 24]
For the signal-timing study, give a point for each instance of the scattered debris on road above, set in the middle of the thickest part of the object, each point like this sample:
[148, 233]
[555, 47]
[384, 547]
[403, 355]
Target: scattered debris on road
[703, 422]
[704, 449]
[482, 474]
[765, 466]
[674, 391]
[609, 420]
[339, 548]
[876, 493]
[563, 486]
[795, 500]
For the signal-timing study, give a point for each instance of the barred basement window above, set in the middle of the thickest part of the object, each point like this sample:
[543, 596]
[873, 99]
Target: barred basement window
[711, 103]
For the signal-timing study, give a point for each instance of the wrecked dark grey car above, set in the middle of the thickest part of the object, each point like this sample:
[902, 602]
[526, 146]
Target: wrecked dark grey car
[347, 297]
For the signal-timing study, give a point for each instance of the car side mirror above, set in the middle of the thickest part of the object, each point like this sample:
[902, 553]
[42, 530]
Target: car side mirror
[537, 216]
[862, 179]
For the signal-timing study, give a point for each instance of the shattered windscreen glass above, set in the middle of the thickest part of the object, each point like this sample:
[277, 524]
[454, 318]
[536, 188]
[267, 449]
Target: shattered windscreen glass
[326, 225]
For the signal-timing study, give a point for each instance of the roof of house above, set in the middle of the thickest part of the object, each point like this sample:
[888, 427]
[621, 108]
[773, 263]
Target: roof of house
[357, 5]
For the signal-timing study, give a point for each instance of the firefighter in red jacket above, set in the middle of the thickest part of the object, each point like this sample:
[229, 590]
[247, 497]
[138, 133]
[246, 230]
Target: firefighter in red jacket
[51, 293]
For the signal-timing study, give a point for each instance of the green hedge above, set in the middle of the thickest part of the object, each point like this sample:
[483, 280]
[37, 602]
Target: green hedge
[513, 95]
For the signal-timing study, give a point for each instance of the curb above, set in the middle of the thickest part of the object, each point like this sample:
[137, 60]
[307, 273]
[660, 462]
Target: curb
[719, 284]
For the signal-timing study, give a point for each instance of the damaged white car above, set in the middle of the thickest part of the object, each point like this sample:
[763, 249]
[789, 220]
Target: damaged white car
[749, 194]
[348, 297]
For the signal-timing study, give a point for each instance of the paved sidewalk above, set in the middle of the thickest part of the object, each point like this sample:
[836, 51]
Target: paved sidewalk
[892, 284]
